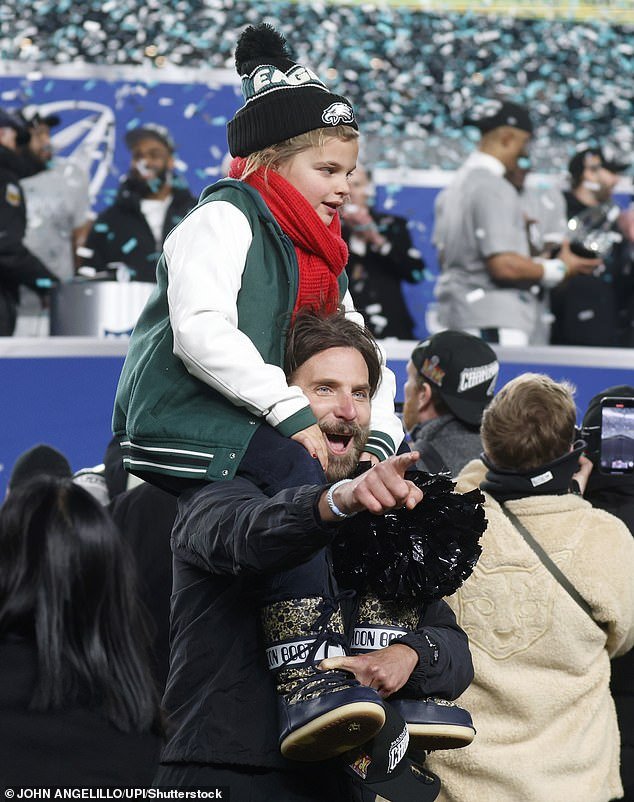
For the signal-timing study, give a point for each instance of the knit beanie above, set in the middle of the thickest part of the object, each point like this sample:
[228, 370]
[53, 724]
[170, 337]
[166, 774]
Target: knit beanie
[282, 98]
[41, 460]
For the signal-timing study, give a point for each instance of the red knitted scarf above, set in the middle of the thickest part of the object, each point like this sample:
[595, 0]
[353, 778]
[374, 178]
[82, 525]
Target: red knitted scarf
[321, 252]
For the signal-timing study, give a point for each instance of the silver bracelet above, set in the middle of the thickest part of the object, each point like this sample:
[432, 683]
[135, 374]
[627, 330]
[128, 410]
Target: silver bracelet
[330, 501]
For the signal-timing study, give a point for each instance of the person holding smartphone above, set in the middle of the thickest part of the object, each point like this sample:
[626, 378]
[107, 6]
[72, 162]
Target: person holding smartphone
[611, 488]
[549, 603]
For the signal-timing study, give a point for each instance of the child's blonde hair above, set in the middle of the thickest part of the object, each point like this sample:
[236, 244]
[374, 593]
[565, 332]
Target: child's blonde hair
[283, 151]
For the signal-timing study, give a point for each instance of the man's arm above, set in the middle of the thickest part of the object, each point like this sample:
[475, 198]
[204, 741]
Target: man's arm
[233, 528]
[513, 267]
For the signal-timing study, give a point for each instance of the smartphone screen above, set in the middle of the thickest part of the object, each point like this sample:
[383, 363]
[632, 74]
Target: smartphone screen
[617, 435]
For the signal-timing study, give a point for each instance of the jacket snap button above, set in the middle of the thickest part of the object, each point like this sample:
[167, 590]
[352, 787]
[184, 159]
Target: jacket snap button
[225, 473]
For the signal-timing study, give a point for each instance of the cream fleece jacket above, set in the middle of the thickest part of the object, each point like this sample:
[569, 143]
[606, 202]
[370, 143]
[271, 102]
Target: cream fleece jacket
[540, 701]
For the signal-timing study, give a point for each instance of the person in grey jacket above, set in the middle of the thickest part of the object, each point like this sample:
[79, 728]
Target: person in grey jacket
[450, 380]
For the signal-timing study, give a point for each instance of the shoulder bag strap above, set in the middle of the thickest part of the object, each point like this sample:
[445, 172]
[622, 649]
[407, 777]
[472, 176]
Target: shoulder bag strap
[549, 564]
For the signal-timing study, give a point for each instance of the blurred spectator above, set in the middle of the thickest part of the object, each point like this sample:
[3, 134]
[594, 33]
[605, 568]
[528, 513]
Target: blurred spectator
[615, 493]
[57, 205]
[145, 515]
[540, 700]
[381, 256]
[40, 460]
[487, 273]
[585, 306]
[77, 702]
[150, 202]
[450, 380]
[18, 266]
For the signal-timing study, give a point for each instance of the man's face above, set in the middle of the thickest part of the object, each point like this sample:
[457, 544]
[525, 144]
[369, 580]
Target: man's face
[151, 161]
[40, 142]
[518, 147]
[608, 181]
[411, 402]
[335, 381]
[592, 170]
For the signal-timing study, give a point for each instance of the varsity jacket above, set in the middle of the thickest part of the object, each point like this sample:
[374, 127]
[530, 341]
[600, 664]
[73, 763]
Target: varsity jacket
[204, 365]
[540, 701]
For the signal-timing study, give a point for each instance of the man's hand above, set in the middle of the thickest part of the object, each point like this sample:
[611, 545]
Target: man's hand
[378, 490]
[576, 264]
[313, 440]
[363, 226]
[583, 474]
[385, 670]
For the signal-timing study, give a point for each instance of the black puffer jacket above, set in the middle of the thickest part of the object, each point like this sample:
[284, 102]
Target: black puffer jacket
[220, 698]
[121, 233]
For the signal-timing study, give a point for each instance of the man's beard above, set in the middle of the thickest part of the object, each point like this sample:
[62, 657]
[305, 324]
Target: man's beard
[341, 466]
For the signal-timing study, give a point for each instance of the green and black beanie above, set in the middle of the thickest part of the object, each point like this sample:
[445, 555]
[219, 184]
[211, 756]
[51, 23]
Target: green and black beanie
[282, 98]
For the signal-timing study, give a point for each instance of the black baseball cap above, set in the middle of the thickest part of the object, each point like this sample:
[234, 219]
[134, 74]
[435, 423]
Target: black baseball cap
[150, 131]
[490, 114]
[464, 369]
[380, 769]
[577, 164]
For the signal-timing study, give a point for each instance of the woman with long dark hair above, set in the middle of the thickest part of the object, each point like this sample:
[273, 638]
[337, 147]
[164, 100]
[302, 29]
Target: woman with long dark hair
[77, 700]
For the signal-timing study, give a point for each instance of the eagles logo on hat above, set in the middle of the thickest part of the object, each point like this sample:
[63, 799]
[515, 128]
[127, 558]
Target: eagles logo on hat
[380, 769]
[464, 369]
[282, 98]
[490, 114]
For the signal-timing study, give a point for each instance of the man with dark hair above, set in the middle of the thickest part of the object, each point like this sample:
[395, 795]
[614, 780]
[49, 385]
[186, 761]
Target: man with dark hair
[18, 265]
[451, 378]
[243, 638]
[150, 202]
[487, 273]
[586, 308]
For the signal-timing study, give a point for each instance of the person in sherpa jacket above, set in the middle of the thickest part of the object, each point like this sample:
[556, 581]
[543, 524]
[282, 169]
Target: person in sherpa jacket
[541, 704]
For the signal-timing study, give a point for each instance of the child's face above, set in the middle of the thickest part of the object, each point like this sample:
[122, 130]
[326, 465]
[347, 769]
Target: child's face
[321, 175]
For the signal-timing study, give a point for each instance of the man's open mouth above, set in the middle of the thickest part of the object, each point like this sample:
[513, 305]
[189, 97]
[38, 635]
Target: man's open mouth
[338, 443]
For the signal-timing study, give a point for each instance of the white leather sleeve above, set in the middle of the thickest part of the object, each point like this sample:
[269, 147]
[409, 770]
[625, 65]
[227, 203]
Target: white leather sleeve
[206, 255]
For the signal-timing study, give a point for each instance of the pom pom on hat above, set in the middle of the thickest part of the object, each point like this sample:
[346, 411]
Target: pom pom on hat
[261, 43]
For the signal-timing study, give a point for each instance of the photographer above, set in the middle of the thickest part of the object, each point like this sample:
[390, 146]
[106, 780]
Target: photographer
[550, 601]
[615, 493]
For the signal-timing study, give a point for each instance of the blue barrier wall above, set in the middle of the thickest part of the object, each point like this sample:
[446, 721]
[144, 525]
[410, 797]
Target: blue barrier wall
[60, 390]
